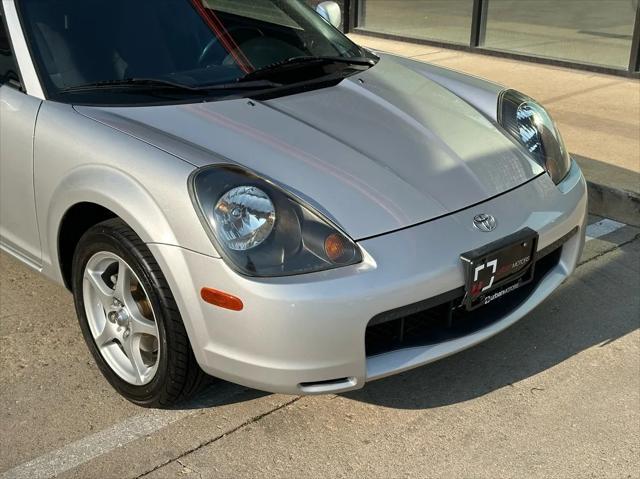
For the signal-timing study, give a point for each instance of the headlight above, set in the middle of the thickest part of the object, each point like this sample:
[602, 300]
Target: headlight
[531, 125]
[260, 230]
[244, 217]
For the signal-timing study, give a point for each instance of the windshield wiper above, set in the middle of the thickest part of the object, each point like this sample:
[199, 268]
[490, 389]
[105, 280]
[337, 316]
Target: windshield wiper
[304, 61]
[156, 83]
[238, 85]
[146, 83]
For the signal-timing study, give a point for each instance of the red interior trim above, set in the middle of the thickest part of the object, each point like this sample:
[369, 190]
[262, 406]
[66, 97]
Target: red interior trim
[227, 41]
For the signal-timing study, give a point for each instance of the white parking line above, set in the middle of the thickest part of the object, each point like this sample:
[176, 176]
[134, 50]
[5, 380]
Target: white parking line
[77, 453]
[602, 228]
[90, 447]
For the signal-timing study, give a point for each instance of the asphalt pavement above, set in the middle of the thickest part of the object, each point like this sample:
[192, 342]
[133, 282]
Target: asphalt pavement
[556, 395]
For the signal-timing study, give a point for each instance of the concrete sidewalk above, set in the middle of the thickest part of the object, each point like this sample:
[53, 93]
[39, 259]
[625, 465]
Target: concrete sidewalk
[599, 116]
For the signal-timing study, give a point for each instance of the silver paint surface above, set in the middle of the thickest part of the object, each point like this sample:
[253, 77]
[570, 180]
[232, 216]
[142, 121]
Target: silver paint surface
[402, 157]
[18, 229]
[399, 147]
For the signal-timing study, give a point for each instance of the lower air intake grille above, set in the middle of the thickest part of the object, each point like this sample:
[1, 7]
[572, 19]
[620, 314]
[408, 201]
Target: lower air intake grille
[442, 319]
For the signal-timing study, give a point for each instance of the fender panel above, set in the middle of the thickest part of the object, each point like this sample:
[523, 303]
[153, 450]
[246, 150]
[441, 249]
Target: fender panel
[478, 92]
[143, 185]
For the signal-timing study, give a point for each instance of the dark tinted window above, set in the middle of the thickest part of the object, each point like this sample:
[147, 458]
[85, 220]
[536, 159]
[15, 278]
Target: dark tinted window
[8, 67]
[193, 42]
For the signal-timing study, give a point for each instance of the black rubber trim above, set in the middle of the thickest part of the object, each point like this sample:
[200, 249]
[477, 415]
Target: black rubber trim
[418, 307]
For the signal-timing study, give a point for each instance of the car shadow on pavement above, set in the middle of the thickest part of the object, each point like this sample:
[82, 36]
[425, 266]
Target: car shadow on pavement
[220, 393]
[593, 308]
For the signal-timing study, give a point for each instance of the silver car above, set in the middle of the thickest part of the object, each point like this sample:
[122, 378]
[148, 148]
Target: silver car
[236, 189]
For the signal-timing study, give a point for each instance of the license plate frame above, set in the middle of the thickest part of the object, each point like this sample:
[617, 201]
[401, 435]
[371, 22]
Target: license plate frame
[509, 263]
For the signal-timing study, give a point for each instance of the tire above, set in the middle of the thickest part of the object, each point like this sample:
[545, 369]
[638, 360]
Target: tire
[164, 370]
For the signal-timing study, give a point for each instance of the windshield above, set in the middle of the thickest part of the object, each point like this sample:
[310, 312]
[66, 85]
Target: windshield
[194, 43]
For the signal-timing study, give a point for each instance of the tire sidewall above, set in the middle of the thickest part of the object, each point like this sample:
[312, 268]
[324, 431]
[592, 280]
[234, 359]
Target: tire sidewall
[100, 239]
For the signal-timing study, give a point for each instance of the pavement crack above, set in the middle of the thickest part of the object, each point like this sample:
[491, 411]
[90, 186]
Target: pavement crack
[248, 422]
[189, 469]
[613, 248]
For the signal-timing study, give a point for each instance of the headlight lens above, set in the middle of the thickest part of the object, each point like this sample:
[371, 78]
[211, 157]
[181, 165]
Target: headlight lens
[531, 125]
[260, 230]
[244, 217]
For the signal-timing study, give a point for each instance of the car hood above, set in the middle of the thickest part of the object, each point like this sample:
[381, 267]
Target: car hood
[382, 150]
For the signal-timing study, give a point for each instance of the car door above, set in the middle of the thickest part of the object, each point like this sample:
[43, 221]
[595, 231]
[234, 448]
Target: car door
[18, 113]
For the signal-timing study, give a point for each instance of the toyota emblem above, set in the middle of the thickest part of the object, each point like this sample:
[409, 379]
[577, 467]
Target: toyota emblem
[485, 222]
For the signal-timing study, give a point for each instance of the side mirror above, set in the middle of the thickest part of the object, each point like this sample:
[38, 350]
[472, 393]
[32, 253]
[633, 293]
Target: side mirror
[331, 12]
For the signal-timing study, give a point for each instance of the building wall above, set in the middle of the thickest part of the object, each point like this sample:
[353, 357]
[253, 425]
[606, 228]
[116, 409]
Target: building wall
[590, 32]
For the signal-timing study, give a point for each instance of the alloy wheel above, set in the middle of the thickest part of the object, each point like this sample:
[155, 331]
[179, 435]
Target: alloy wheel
[121, 318]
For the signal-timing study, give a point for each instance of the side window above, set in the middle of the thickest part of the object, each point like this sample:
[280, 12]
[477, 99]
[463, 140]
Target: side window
[8, 67]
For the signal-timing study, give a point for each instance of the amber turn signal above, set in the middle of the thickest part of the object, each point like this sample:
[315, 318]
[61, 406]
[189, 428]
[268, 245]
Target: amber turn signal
[219, 298]
[334, 247]
[338, 248]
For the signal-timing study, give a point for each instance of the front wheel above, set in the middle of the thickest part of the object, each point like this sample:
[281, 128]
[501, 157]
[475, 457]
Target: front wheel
[129, 318]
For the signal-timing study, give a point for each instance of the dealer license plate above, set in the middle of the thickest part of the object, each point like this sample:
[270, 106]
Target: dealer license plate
[499, 268]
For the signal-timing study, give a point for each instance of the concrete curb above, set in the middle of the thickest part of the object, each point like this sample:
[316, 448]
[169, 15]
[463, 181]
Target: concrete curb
[617, 204]
[614, 192]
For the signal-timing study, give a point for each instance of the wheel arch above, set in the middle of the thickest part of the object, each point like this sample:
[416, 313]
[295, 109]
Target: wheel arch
[90, 195]
[75, 222]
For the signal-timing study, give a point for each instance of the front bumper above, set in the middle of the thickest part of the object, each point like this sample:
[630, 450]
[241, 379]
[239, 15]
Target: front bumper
[306, 334]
